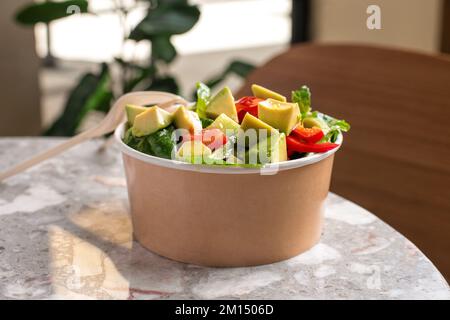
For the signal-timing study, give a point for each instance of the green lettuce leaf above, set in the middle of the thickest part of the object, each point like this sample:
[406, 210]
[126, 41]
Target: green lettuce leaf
[162, 142]
[303, 97]
[206, 122]
[138, 143]
[203, 96]
[159, 144]
[336, 127]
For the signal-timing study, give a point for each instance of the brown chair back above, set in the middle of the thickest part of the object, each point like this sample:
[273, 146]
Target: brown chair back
[395, 161]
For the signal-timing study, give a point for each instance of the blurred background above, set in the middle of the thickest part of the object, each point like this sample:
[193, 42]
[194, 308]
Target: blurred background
[41, 63]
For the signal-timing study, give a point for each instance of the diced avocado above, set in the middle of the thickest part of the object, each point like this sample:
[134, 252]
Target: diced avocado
[310, 122]
[252, 122]
[198, 126]
[264, 93]
[185, 119]
[225, 124]
[278, 152]
[193, 151]
[222, 102]
[266, 152]
[132, 111]
[281, 115]
[151, 120]
[246, 137]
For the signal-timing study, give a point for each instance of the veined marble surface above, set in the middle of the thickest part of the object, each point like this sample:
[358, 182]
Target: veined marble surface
[65, 233]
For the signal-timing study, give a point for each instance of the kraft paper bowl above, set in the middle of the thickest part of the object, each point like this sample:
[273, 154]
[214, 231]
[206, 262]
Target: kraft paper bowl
[222, 216]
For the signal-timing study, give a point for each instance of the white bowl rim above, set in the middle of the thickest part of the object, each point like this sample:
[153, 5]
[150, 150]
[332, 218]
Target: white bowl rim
[271, 168]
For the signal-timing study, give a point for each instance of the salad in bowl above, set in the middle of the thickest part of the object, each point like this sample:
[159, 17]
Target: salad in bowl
[256, 130]
[187, 164]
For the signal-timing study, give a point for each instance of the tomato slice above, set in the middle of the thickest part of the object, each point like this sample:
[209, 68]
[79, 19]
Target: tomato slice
[212, 138]
[247, 104]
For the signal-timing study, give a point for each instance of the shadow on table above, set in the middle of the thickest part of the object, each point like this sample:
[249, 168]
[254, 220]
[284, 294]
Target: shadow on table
[92, 254]
[87, 254]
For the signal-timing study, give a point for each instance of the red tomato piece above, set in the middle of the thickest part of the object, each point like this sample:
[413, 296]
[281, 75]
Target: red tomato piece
[212, 138]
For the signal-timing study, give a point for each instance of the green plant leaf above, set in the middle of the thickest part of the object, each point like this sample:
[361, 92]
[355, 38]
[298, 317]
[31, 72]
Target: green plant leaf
[240, 68]
[173, 1]
[169, 18]
[137, 74]
[128, 64]
[163, 49]
[48, 11]
[92, 93]
[140, 77]
[101, 98]
[166, 84]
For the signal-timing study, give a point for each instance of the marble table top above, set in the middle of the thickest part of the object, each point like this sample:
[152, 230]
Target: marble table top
[65, 233]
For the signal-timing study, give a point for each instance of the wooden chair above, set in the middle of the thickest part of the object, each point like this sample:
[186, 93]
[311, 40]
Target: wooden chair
[395, 161]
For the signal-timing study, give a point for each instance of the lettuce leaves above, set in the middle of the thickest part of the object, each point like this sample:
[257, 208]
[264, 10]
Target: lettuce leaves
[336, 127]
[159, 144]
[203, 97]
[138, 143]
[206, 122]
[302, 96]
[162, 142]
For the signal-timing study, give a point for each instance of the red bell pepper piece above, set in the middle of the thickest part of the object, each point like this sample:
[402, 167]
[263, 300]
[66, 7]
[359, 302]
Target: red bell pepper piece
[212, 138]
[308, 135]
[294, 145]
[247, 104]
[290, 153]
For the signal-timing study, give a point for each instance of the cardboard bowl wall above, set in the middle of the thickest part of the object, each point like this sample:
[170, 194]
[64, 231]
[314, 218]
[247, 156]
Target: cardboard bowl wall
[226, 216]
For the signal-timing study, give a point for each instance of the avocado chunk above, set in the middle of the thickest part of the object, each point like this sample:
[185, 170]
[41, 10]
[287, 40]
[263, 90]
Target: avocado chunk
[278, 152]
[283, 116]
[247, 138]
[222, 102]
[150, 121]
[252, 122]
[193, 151]
[270, 150]
[185, 119]
[225, 124]
[264, 93]
[132, 111]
